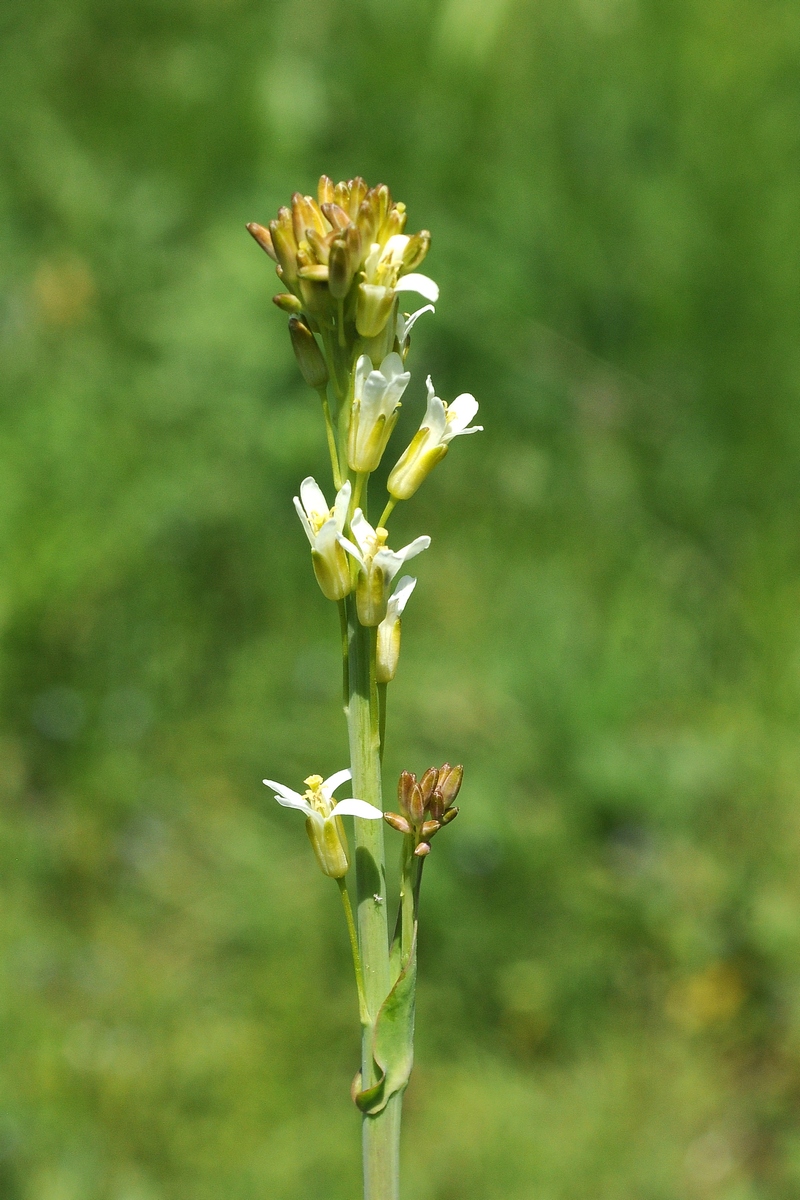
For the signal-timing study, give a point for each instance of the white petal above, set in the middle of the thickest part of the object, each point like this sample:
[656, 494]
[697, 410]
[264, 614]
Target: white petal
[406, 323]
[400, 597]
[357, 808]
[363, 370]
[301, 512]
[435, 417]
[395, 248]
[461, 412]
[420, 284]
[334, 781]
[341, 505]
[313, 499]
[362, 531]
[327, 537]
[287, 797]
[414, 548]
[351, 549]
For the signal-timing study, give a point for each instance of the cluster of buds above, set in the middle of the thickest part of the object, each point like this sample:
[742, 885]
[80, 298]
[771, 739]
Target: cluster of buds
[426, 805]
[343, 256]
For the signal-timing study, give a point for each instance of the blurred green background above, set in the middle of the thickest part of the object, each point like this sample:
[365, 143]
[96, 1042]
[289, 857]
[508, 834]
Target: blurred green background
[606, 629]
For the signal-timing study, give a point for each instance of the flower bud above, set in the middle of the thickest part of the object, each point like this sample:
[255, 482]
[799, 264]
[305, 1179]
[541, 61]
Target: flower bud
[329, 843]
[429, 828]
[358, 190]
[285, 246]
[324, 191]
[428, 783]
[422, 849]
[395, 222]
[405, 786]
[436, 805]
[450, 815]
[288, 303]
[397, 822]
[263, 237]
[306, 214]
[418, 246]
[388, 650]
[336, 215]
[308, 354]
[340, 270]
[341, 194]
[450, 780]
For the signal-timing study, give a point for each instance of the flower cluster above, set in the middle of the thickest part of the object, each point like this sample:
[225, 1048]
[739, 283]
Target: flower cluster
[427, 806]
[344, 254]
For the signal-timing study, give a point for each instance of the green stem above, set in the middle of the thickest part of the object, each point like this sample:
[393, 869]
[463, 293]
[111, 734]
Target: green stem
[363, 1012]
[381, 1132]
[332, 450]
[387, 512]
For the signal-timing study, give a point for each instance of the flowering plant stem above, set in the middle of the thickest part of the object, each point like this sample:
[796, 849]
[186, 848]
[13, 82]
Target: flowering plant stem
[381, 1132]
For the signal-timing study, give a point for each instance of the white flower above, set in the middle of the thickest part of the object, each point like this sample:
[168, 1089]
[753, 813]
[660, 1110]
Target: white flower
[442, 423]
[376, 399]
[323, 526]
[378, 564]
[324, 818]
[382, 280]
[406, 322]
[388, 650]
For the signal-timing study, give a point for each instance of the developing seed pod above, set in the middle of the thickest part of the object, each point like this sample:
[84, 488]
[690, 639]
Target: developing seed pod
[308, 354]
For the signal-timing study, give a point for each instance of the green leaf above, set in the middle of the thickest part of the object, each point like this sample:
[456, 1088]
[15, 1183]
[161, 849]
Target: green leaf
[393, 1040]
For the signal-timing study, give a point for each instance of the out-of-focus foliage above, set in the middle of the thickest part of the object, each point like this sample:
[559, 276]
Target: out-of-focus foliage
[605, 630]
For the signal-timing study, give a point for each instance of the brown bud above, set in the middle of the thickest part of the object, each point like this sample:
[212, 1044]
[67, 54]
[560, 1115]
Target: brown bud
[428, 783]
[436, 805]
[367, 219]
[416, 806]
[397, 822]
[340, 270]
[358, 190]
[338, 218]
[308, 354]
[450, 782]
[429, 828]
[263, 237]
[405, 786]
[395, 222]
[422, 849]
[288, 303]
[324, 191]
[418, 246]
[285, 245]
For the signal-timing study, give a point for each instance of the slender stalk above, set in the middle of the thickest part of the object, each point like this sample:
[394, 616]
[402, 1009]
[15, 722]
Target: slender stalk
[380, 1133]
[387, 512]
[351, 929]
[332, 449]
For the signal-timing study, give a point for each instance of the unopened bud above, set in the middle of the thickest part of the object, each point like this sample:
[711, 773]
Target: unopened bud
[263, 237]
[450, 815]
[450, 779]
[436, 805]
[341, 194]
[416, 806]
[388, 650]
[418, 246]
[324, 191]
[358, 190]
[395, 222]
[308, 354]
[285, 245]
[306, 214]
[288, 303]
[429, 828]
[367, 220]
[405, 786]
[338, 218]
[428, 783]
[340, 270]
[397, 822]
[422, 849]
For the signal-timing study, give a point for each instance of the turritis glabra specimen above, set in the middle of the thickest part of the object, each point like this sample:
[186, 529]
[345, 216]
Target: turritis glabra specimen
[346, 265]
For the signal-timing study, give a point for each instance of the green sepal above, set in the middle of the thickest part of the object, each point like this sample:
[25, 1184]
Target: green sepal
[393, 1041]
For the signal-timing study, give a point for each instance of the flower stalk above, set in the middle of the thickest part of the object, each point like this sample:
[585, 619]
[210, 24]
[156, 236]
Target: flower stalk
[344, 261]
